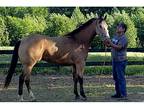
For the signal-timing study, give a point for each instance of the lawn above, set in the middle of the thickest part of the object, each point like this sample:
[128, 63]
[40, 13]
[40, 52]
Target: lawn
[98, 56]
[101, 56]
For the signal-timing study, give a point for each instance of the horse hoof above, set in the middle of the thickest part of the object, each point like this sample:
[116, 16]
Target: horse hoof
[84, 98]
[33, 100]
[22, 100]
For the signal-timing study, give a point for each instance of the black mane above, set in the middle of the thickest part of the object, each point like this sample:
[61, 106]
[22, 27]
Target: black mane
[72, 34]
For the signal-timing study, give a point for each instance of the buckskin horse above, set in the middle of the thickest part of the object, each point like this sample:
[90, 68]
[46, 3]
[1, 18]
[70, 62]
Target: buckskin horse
[71, 49]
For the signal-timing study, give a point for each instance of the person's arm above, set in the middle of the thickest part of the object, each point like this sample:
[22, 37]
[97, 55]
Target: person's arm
[117, 47]
[110, 44]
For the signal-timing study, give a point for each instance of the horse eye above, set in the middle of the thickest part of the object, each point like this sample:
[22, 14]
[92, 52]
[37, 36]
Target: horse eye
[100, 26]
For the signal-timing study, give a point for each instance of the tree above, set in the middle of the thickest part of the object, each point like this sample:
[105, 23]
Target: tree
[19, 28]
[59, 25]
[61, 10]
[4, 39]
[91, 15]
[22, 11]
[138, 19]
[78, 16]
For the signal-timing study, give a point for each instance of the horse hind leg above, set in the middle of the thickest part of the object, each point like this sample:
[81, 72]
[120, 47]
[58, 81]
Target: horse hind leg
[25, 77]
[27, 82]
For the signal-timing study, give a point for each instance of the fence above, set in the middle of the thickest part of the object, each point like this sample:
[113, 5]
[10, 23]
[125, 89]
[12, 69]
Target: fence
[3, 65]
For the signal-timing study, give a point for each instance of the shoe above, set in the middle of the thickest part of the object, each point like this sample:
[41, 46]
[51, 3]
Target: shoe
[119, 96]
[123, 98]
[116, 96]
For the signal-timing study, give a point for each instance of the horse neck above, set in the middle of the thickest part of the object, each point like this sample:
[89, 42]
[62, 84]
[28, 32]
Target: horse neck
[86, 35]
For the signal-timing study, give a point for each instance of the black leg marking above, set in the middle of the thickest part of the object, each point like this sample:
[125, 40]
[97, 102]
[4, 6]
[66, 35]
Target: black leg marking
[81, 87]
[75, 79]
[75, 89]
[21, 82]
[27, 82]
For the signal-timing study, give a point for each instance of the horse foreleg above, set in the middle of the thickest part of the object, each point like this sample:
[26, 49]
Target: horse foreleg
[75, 79]
[80, 70]
[82, 93]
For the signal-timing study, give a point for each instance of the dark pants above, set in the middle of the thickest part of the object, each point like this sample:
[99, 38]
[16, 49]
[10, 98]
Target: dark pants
[118, 69]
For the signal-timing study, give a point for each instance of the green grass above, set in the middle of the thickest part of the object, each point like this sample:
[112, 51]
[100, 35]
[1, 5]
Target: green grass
[131, 70]
[101, 56]
[92, 56]
[6, 48]
[5, 58]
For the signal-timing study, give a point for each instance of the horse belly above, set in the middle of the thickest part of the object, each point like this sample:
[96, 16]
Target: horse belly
[58, 59]
[64, 60]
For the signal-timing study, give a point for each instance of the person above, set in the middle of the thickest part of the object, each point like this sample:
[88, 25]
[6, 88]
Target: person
[118, 46]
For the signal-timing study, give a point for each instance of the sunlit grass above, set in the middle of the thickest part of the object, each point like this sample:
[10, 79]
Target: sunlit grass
[102, 56]
[98, 56]
[6, 48]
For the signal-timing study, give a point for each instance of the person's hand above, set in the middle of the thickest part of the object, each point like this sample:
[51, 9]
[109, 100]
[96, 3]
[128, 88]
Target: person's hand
[107, 42]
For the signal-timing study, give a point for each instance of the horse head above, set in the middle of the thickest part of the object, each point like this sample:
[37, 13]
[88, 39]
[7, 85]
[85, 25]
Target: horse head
[102, 27]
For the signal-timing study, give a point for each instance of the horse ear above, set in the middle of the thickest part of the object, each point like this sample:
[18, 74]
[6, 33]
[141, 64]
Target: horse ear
[105, 17]
[97, 16]
[100, 17]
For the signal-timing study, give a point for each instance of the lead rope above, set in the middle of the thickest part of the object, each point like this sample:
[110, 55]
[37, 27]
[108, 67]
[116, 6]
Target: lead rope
[104, 63]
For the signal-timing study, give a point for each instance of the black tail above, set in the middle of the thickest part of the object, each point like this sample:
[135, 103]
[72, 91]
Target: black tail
[13, 65]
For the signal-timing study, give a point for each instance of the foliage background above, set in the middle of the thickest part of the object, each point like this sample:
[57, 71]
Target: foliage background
[19, 22]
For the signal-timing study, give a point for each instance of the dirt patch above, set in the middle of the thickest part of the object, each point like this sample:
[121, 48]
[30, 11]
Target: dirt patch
[60, 89]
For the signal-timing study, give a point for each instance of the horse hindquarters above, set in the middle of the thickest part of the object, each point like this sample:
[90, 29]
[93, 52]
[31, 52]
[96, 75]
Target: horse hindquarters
[29, 54]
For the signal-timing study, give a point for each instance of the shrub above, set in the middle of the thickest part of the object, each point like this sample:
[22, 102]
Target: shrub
[138, 19]
[20, 12]
[59, 25]
[91, 15]
[35, 24]
[4, 39]
[19, 28]
[78, 17]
